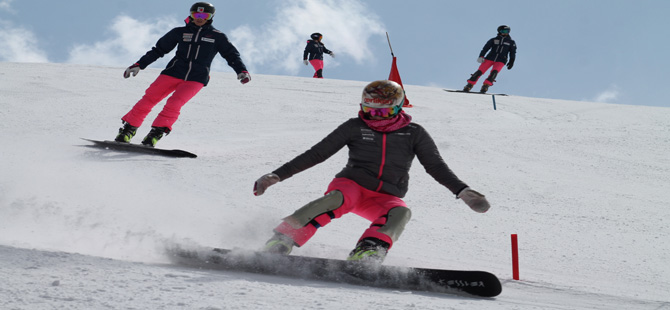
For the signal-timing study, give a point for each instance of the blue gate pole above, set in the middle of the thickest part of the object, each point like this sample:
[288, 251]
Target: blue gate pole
[494, 101]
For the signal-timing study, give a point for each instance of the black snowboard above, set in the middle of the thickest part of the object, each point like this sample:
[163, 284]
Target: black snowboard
[471, 283]
[138, 148]
[472, 92]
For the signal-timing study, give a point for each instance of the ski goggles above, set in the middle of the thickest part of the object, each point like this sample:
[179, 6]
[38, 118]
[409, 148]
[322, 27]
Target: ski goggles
[383, 112]
[505, 31]
[198, 15]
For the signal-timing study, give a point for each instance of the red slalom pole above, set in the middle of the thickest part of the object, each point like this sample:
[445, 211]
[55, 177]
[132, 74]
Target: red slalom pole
[515, 257]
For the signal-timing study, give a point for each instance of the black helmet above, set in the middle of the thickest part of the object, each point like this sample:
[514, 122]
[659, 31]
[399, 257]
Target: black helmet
[202, 7]
[503, 27]
[316, 36]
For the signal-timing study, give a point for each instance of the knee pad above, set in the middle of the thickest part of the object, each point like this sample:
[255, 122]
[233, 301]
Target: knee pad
[312, 210]
[396, 220]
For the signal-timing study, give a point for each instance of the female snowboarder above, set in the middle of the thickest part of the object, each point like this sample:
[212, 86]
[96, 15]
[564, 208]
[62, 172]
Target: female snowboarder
[382, 144]
[314, 54]
[185, 75]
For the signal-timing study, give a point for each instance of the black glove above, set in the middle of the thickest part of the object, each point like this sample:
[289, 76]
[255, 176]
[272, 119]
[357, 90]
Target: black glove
[510, 64]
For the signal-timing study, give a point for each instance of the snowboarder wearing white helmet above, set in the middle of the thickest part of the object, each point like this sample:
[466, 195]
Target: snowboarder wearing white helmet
[382, 142]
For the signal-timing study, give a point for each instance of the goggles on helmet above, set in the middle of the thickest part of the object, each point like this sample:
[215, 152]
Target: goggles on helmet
[383, 112]
[505, 31]
[205, 16]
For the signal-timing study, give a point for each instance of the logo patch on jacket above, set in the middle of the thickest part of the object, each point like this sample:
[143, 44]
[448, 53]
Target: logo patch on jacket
[188, 37]
[367, 134]
[210, 40]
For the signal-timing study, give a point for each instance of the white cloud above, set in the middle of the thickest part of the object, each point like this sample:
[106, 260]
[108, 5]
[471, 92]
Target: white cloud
[6, 5]
[608, 96]
[19, 44]
[131, 39]
[278, 45]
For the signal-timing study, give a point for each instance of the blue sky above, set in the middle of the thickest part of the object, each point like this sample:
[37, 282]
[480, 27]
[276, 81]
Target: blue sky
[597, 50]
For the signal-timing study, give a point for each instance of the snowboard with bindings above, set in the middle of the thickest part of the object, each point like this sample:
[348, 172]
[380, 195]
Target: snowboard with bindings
[472, 92]
[138, 148]
[460, 282]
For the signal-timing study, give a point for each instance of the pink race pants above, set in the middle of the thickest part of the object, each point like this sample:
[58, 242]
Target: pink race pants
[182, 91]
[497, 66]
[372, 206]
[318, 68]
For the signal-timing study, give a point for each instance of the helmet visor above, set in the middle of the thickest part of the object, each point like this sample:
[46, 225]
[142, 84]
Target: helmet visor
[383, 112]
[205, 16]
[505, 31]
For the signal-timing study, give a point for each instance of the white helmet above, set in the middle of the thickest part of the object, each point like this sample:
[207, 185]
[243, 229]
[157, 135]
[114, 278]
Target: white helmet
[383, 94]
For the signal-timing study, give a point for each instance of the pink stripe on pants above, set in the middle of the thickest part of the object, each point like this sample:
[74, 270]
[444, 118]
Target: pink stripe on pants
[182, 91]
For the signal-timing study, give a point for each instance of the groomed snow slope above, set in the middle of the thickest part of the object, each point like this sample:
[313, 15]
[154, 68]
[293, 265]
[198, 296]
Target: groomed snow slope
[586, 186]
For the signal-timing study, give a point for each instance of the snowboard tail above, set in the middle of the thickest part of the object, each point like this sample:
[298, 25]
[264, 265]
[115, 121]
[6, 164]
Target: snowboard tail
[138, 148]
[476, 283]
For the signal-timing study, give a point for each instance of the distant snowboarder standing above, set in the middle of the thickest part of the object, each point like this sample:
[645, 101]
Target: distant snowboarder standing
[314, 54]
[185, 75]
[382, 144]
[499, 48]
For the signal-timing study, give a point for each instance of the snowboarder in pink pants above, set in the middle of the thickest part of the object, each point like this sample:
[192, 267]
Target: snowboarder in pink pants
[499, 48]
[382, 142]
[313, 54]
[186, 74]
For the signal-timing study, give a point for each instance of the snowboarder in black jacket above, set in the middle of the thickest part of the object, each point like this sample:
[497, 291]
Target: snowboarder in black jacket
[383, 141]
[498, 49]
[314, 54]
[185, 75]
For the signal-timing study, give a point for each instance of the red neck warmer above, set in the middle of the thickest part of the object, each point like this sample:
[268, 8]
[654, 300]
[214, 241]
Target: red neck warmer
[387, 125]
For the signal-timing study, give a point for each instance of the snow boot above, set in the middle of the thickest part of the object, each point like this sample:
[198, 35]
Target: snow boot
[468, 87]
[279, 244]
[126, 133]
[154, 135]
[369, 250]
[484, 89]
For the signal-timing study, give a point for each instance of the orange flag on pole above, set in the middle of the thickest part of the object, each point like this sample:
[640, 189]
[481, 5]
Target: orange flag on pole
[395, 75]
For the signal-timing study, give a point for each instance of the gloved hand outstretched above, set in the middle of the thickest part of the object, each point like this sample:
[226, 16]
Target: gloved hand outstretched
[264, 182]
[134, 69]
[332, 54]
[305, 61]
[480, 59]
[244, 77]
[474, 200]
